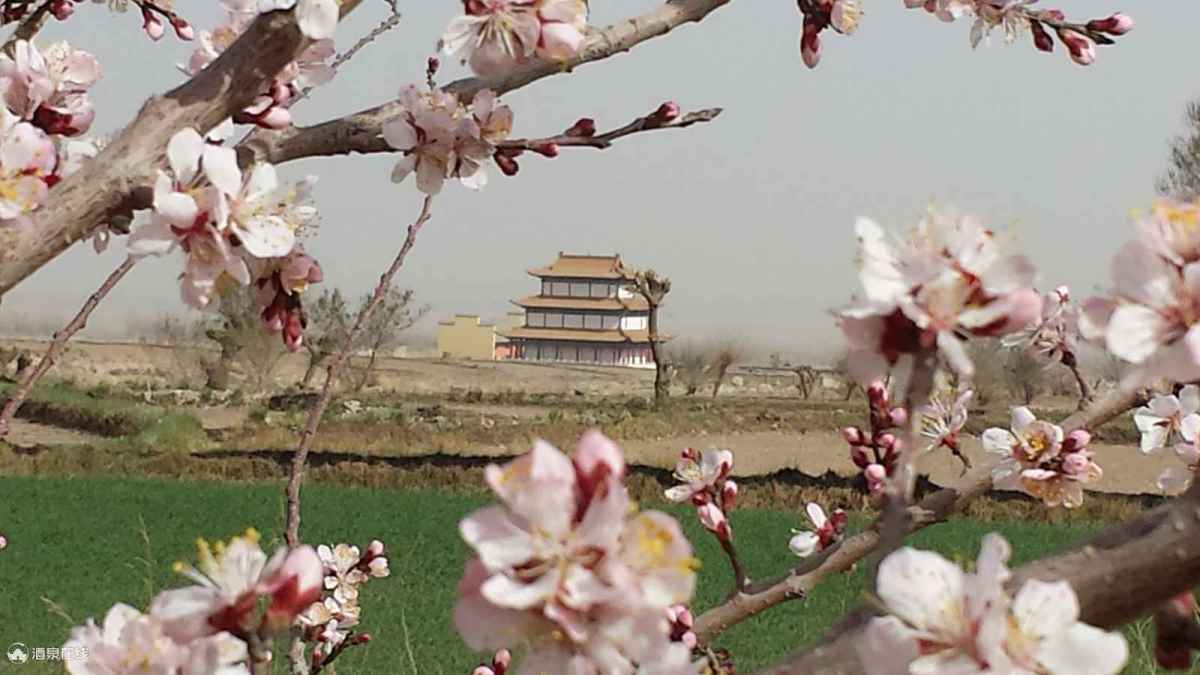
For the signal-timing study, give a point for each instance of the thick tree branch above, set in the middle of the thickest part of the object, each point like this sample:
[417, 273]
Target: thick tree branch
[105, 186]
[361, 133]
[934, 508]
[58, 345]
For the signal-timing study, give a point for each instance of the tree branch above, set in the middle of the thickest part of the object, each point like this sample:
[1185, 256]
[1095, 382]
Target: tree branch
[605, 140]
[361, 132]
[339, 359]
[1121, 574]
[28, 27]
[59, 344]
[934, 508]
[114, 182]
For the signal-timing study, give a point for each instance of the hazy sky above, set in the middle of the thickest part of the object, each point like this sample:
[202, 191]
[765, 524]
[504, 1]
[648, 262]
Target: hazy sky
[750, 215]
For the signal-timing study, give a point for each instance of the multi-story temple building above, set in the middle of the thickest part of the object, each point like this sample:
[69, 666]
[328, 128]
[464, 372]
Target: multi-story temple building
[587, 312]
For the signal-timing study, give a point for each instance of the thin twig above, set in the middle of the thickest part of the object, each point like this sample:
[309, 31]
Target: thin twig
[740, 581]
[339, 358]
[896, 521]
[1085, 392]
[651, 122]
[383, 27]
[61, 337]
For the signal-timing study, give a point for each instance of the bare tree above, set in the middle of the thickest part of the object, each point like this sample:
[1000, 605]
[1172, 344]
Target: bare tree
[394, 315]
[842, 367]
[989, 380]
[1024, 375]
[329, 321]
[654, 289]
[245, 347]
[690, 367]
[723, 358]
[806, 379]
[1182, 178]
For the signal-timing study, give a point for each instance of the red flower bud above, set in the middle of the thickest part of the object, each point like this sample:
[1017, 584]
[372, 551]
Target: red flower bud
[897, 417]
[585, 127]
[153, 27]
[361, 639]
[501, 661]
[729, 492]
[1117, 24]
[508, 165]
[62, 9]
[1041, 39]
[853, 435]
[690, 454]
[666, 112]
[183, 29]
[546, 149]
[858, 455]
[1082, 49]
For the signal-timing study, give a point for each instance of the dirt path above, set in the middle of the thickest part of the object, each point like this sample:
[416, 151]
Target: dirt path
[1126, 470]
[26, 434]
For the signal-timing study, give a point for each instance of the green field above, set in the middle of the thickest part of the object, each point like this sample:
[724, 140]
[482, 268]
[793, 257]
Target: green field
[80, 544]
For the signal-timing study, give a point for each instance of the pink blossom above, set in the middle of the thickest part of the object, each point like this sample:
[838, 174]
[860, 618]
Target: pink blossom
[827, 532]
[561, 555]
[1151, 317]
[496, 35]
[279, 283]
[699, 474]
[129, 640]
[944, 621]
[948, 279]
[27, 158]
[425, 133]
[1039, 461]
[941, 421]
[1055, 333]
[229, 580]
[876, 477]
[1115, 24]
[1160, 422]
[3, 542]
[50, 89]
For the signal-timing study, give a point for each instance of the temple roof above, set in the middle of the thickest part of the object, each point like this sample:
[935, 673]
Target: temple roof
[635, 304]
[585, 267]
[574, 335]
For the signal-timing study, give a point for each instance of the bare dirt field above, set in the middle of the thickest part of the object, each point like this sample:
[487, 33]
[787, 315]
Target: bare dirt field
[763, 449]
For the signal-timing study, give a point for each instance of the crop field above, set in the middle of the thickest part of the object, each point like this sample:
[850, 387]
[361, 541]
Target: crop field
[79, 545]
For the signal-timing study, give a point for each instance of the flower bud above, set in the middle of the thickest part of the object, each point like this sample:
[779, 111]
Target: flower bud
[810, 44]
[838, 519]
[1053, 15]
[378, 567]
[713, 519]
[183, 29]
[501, 661]
[1076, 464]
[1082, 50]
[1174, 623]
[361, 639]
[1117, 24]
[585, 127]
[3, 542]
[700, 498]
[885, 441]
[508, 165]
[431, 66]
[153, 27]
[483, 670]
[853, 435]
[666, 112]
[898, 417]
[1076, 440]
[375, 548]
[858, 455]
[690, 454]
[546, 149]
[729, 494]
[62, 9]
[877, 394]
[875, 475]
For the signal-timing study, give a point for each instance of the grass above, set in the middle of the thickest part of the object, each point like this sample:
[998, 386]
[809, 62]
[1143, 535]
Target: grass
[123, 420]
[80, 545]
